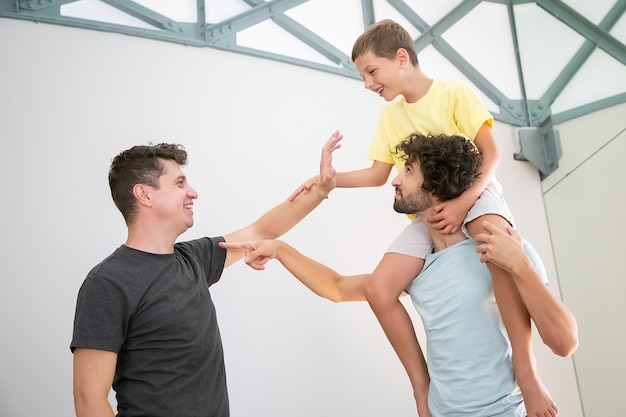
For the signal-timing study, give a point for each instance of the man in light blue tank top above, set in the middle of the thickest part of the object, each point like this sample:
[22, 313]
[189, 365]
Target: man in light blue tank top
[469, 372]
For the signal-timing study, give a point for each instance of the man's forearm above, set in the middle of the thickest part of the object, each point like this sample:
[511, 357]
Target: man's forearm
[286, 215]
[554, 321]
[319, 278]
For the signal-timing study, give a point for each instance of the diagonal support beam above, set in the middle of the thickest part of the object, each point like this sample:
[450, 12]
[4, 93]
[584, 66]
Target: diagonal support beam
[540, 109]
[434, 32]
[309, 38]
[146, 15]
[35, 5]
[227, 29]
[511, 112]
[367, 9]
[584, 27]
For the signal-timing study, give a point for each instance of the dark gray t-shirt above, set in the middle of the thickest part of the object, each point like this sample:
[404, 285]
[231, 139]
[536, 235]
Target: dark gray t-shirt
[156, 313]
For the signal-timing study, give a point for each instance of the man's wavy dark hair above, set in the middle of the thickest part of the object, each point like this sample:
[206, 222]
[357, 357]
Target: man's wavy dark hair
[450, 164]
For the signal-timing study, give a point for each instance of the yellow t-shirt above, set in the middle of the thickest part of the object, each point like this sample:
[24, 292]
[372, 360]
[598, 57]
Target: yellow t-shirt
[449, 107]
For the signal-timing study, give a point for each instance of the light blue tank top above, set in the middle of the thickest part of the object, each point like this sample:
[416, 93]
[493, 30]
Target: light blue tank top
[468, 351]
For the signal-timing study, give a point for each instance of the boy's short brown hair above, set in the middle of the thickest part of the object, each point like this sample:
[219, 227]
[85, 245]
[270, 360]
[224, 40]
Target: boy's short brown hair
[384, 38]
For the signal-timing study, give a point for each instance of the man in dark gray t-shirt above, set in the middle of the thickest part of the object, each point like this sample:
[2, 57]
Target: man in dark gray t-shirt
[145, 324]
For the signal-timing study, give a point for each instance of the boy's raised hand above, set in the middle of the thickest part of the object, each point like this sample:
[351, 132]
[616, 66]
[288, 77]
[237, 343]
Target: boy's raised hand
[326, 180]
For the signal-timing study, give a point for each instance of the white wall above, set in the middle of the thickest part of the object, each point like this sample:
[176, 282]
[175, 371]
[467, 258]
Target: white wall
[71, 99]
[585, 201]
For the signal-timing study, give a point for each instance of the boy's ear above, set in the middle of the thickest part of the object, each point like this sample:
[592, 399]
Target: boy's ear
[403, 57]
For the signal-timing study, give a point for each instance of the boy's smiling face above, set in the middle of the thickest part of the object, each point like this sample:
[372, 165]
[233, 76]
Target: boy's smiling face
[380, 75]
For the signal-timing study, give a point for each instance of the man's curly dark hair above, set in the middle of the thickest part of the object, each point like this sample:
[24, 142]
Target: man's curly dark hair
[140, 165]
[450, 164]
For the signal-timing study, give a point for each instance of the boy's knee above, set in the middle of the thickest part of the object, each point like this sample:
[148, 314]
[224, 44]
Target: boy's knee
[377, 293]
[476, 226]
[373, 292]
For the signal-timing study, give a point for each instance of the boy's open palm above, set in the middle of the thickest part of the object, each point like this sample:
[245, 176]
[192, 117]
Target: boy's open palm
[327, 172]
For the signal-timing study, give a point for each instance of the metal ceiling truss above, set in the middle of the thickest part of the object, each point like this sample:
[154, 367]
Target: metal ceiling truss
[222, 35]
[533, 115]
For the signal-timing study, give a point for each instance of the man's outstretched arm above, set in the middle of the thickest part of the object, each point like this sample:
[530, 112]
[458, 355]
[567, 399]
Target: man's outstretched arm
[554, 321]
[327, 283]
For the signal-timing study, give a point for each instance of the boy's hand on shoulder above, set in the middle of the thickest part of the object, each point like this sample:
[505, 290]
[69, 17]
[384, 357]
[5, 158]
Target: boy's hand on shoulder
[448, 216]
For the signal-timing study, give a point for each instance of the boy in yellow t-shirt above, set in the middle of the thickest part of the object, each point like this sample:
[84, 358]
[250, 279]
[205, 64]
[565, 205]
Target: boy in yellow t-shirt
[385, 57]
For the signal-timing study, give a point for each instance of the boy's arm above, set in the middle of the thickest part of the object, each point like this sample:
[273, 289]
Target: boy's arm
[283, 217]
[374, 176]
[554, 321]
[93, 376]
[448, 216]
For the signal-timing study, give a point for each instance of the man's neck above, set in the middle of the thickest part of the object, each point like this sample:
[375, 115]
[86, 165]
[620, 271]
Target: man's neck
[149, 239]
[441, 241]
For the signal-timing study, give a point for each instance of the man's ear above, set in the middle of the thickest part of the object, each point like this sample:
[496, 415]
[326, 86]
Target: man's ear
[142, 194]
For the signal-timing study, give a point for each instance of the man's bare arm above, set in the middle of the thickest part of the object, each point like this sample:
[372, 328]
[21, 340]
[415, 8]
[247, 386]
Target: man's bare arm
[554, 321]
[93, 376]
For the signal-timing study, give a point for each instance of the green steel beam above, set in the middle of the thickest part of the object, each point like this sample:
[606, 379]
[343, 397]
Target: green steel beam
[511, 111]
[146, 15]
[541, 109]
[223, 32]
[523, 107]
[201, 21]
[222, 35]
[367, 9]
[513, 2]
[34, 5]
[184, 34]
[434, 32]
[312, 40]
[281, 58]
[587, 29]
[589, 108]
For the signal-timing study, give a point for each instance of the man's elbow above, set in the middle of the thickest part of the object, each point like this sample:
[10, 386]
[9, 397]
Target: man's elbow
[81, 405]
[89, 406]
[566, 346]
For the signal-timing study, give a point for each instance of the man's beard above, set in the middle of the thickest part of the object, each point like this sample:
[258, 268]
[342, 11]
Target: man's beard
[413, 203]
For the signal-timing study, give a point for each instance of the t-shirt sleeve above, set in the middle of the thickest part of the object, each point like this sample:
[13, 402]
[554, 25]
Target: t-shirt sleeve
[414, 241]
[210, 256]
[534, 257]
[469, 112]
[379, 149]
[101, 317]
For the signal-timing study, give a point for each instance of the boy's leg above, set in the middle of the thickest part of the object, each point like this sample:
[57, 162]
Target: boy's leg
[394, 273]
[518, 325]
[397, 269]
